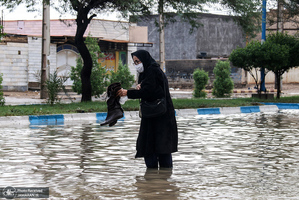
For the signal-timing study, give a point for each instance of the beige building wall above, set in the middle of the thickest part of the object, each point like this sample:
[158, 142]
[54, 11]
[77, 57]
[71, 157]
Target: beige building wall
[109, 29]
[138, 34]
[34, 58]
[288, 77]
[14, 66]
[34, 27]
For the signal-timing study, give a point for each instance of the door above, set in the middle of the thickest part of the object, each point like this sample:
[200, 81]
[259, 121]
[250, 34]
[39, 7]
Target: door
[66, 58]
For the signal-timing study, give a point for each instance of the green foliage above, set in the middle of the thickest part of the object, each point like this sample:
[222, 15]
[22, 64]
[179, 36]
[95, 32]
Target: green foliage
[244, 12]
[201, 80]
[292, 8]
[249, 59]
[75, 76]
[133, 105]
[122, 75]
[1, 32]
[223, 83]
[278, 54]
[289, 53]
[54, 84]
[98, 76]
[282, 54]
[2, 100]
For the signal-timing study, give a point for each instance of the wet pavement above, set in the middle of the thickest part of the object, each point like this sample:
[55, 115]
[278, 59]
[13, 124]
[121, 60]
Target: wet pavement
[33, 97]
[243, 156]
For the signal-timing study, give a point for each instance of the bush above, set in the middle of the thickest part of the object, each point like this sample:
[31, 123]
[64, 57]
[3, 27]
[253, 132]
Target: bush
[54, 84]
[98, 76]
[223, 83]
[2, 100]
[122, 75]
[201, 80]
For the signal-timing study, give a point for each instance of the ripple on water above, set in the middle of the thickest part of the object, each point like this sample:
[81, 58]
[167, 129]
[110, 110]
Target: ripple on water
[253, 156]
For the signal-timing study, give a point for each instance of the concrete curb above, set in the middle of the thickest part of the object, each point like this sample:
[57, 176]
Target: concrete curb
[252, 91]
[33, 120]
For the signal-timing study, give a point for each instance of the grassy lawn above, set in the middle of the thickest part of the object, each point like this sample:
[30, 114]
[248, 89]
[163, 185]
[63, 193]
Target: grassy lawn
[132, 105]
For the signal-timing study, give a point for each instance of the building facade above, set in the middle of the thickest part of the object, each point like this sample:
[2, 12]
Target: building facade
[215, 39]
[20, 59]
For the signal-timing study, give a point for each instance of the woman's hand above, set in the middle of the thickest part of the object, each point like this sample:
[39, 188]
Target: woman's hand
[122, 92]
[138, 87]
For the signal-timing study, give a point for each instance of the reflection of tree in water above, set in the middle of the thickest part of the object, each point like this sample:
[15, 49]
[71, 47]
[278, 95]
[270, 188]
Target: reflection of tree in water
[87, 145]
[155, 185]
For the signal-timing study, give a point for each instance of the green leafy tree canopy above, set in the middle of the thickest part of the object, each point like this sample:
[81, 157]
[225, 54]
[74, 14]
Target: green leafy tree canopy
[250, 59]
[278, 54]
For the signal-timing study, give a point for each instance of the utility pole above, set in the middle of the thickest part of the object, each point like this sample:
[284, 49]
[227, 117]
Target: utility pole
[45, 69]
[279, 17]
[263, 88]
[279, 30]
[162, 36]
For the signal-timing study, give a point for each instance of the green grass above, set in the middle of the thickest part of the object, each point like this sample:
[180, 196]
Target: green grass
[133, 105]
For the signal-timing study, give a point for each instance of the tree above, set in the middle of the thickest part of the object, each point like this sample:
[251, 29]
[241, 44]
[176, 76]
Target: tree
[248, 59]
[278, 54]
[292, 7]
[223, 84]
[98, 77]
[85, 10]
[287, 10]
[283, 51]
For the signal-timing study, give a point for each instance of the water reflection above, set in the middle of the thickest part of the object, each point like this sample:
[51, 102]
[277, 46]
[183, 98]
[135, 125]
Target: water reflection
[245, 156]
[156, 184]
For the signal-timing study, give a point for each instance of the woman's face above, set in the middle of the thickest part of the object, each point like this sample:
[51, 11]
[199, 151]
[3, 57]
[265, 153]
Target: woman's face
[136, 60]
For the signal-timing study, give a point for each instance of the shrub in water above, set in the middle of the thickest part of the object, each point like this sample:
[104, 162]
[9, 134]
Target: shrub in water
[223, 83]
[201, 80]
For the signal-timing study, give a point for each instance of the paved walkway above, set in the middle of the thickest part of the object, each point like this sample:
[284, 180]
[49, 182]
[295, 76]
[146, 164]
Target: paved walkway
[31, 97]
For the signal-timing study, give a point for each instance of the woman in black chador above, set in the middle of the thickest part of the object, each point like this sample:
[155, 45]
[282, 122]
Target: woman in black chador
[158, 136]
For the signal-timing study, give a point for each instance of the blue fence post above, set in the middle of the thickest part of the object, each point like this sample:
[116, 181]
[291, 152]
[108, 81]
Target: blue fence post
[263, 88]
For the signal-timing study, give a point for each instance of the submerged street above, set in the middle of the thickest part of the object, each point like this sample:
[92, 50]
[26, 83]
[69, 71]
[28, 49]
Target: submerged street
[243, 156]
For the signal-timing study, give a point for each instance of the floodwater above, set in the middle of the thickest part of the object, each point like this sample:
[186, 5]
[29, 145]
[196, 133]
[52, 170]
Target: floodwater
[244, 156]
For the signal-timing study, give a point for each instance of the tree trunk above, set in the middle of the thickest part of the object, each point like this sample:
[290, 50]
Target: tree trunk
[82, 23]
[277, 75]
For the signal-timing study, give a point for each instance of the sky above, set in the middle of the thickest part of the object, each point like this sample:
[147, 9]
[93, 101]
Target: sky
[21, 13]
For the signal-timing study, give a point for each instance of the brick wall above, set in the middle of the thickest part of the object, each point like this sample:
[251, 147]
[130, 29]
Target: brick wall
[14, 66]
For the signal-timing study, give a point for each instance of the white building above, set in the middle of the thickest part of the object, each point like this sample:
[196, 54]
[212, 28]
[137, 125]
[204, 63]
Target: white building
[20, 50]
